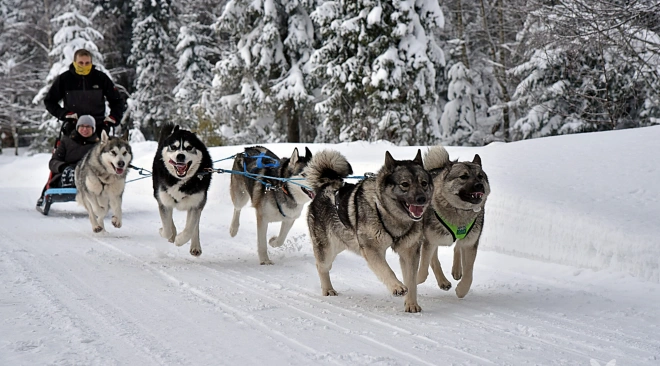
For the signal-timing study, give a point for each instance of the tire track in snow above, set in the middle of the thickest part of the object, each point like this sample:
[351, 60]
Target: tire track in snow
[236, 312]
[255, 286]
[101, 309]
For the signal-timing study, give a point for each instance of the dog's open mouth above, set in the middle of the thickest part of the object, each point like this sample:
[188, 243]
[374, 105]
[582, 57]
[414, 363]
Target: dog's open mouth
[415, 211]
[119, 171]
[308, 192]
[181, 168]
[472, 197]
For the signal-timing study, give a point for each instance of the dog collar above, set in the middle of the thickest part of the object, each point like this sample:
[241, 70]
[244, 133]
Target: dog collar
[457, 232]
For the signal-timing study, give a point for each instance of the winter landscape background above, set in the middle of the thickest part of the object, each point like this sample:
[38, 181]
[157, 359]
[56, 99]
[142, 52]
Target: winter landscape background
[413, 72]
[567, 273]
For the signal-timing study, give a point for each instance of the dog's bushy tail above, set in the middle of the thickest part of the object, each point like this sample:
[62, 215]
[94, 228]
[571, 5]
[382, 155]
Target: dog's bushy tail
[436, 158]
[327, 168]
[165, 131]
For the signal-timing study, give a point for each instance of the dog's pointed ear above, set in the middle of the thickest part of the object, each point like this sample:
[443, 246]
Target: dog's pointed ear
[124, 136]
[104, 137]
[389, 161]
[176, 129]
[477, 159]
[294, 156]
[308, 154]
[418, 158]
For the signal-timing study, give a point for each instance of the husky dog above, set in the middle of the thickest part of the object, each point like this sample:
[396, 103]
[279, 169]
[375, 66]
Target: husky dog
[379, 212]
[461, 189]
[273, 200]
[181, 180]
[100, 179]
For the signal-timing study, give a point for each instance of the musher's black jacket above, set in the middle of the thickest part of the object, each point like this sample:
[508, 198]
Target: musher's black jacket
[83, 94]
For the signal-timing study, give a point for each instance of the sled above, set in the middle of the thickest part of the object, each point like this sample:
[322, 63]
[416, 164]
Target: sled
[52, 195]
[56, 195]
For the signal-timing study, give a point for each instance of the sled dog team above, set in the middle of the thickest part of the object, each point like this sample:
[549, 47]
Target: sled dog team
[412, 206]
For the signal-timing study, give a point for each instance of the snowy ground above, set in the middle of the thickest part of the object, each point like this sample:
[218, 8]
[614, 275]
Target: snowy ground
[567, 273]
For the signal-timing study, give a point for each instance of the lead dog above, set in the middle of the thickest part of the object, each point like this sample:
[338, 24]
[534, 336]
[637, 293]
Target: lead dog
[274, 200]
[461, 190]
[100, 179]
[379, 212]
[181, 180]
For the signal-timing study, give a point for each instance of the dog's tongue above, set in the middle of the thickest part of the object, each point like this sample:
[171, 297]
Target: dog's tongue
[181, 168]
[415, 210]
[119, 170]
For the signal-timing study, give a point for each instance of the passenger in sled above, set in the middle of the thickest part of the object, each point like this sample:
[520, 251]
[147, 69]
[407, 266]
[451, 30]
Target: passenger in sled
[83, 91]
[70, 150]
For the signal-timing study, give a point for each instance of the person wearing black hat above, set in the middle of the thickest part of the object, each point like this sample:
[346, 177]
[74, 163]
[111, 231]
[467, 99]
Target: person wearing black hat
[69, 152]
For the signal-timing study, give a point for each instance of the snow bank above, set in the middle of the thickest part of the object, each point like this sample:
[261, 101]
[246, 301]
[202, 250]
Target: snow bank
[590, 200]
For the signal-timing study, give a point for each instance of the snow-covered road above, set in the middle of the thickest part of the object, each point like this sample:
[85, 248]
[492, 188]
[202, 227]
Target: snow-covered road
[127, 297]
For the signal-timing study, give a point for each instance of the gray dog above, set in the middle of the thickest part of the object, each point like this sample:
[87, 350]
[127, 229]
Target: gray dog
[461, 189]
[100, 178]
[380, 212]
[279, 201]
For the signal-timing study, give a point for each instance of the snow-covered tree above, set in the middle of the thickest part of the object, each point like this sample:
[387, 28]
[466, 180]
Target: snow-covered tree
[600, 70]
[23, 67]
[194, 70]
[261, 81]
[378, 63]
[459, 118]
[154, 60]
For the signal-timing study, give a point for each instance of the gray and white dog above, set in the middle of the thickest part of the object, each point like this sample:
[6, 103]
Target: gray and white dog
[380, 212]
[274, 200]
[461, 190]
[100, 179]
[181, 180]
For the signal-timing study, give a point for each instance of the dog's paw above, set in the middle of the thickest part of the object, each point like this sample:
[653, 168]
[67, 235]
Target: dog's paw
[330, 292]
[399, 290]
[266, 262]
[169, 236]
[181, 239]
[273, 242]
[457, 273]
[463, 288]
[116, 222]
[412, 307]
[196, 252]
[422, 276]
[233, 231]
[97, 229]
[445, 286]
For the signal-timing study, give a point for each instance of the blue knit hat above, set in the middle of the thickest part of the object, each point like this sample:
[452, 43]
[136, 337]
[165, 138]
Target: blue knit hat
[88, 121]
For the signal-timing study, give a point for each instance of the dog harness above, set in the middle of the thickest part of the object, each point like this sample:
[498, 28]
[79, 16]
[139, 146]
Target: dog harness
[260, 164]
[457, 232]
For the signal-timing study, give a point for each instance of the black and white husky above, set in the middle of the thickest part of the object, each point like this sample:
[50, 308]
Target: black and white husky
[100, 179]
[274, 200]
[181, 180]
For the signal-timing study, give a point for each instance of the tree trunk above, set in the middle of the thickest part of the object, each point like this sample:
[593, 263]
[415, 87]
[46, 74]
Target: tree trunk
[293, 122]
[459, 25]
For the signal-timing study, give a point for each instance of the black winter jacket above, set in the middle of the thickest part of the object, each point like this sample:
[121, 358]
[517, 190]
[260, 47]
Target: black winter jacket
[70, 151]
[83, 94]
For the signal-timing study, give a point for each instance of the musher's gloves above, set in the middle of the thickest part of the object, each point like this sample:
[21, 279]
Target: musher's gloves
[110, 121]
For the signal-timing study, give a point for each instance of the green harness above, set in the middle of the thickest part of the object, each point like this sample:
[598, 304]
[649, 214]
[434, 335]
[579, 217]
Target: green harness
[457, 232]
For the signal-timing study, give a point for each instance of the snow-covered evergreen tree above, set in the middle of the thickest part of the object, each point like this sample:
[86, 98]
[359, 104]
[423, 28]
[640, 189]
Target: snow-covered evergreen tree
[599, 71]
[260, 82]
[195, 49]
[378, 63]
[152, 54]
[458, 118]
